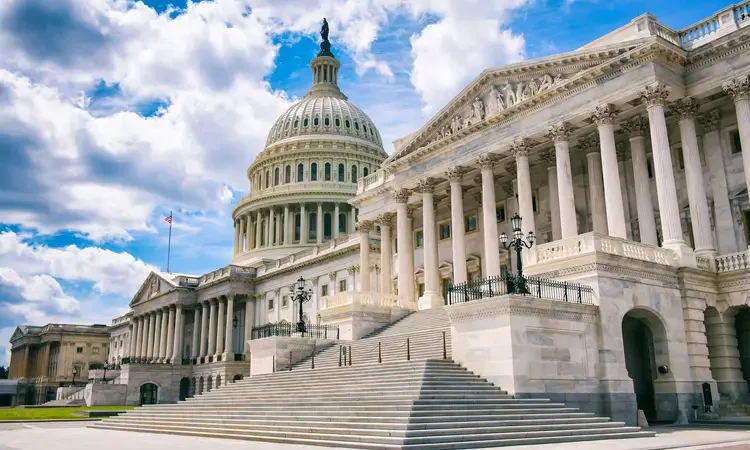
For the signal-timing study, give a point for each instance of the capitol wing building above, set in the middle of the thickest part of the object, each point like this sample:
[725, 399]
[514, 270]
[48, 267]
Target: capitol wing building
[622, 167]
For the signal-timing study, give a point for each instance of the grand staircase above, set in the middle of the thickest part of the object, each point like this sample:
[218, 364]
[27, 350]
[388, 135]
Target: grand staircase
[425, 403]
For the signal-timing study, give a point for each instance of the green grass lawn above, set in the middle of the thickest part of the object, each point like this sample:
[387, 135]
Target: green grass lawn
[52, 413]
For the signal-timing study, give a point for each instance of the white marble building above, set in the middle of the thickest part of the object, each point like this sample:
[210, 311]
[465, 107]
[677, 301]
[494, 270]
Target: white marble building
[624, 157]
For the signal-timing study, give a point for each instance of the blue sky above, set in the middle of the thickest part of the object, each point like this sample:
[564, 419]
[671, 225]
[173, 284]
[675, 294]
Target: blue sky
[114, 112]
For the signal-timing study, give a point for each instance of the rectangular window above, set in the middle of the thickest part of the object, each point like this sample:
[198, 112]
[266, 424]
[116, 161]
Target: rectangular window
[285, 301]
[679, 157]
[419, 238]
[445, 230]
[79, 349]
[446, 285]
[500, 211]
[736, 142]
[324, 290]
[470, 222]
[270, 304]
[95, 350]
[342, 285]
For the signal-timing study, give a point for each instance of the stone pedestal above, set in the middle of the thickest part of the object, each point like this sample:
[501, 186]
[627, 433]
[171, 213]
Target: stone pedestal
[358, 314]
[274, 354]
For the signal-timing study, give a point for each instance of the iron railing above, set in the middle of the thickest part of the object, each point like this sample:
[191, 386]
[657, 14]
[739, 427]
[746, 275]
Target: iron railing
[290, 329]
[525, 286]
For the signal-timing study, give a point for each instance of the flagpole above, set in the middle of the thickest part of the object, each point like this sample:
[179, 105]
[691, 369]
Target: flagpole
[169, 246]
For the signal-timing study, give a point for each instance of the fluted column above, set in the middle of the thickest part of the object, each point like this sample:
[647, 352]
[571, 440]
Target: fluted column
[386, 253]
[335, 220]
[723, 221]
[163, 351]
[520, 150]
[170, 332]
[590, 145]
[405, 248]
[319, 224]
[635, 129]
[304, 226]
[228, 336]
[272, 220]
[249, 321]
[567, 205]
[151, 335]
[489, 222]
[142, 336]
[458, 244]
[287, 226]
[432, 297]
[212, 327]
[135, 347]
[241, 235]
[739, 89]
[176, 334]
[686, 109]
[220, 324]
[258, 224]
[204, 330]
[352, 219]
[236, 237]
[195, 343]
[604, 116]
[554, 194]
[364, 227]
[268, 228]
[655, 98]
[249, 233]
[279, 223]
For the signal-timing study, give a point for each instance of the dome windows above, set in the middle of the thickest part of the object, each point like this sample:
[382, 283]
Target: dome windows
[276, 177]
[300, 173]
[327, 172]
[365, 172]
[347, 123]
[288, 174]
[338, 122]
[342, 171]
[314, 172]
[356, 125]
[327, 122]
[354, 174]
[296, 123]
[316, 121]
[364, 128]
[306, 122]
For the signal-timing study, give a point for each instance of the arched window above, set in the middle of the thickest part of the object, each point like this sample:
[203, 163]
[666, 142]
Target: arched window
[276, 177]
[342, 223]
[288, 174]
[327, 172]
[338, 122]
[354, 173]
[327, 121]
[347, 124]
[296, 123]
[316, 121]
[297, 227]
[327, 226]
[364, 128]
[209, 384]
[313, 227]
[371, 133]
[314, 172]
[300, 172]
[356, 125]
[268, 179]
[365, 172]
[341, 172]
[306, 122]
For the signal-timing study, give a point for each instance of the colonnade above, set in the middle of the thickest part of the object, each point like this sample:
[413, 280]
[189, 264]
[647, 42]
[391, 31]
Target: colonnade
[276, 225]
[608, 216]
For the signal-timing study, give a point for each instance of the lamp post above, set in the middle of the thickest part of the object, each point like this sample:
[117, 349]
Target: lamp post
[518, 243]
[301, 295]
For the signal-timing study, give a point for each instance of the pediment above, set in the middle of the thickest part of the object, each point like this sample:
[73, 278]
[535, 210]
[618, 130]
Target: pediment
[502, 92]
[17, 334]
[154, 286]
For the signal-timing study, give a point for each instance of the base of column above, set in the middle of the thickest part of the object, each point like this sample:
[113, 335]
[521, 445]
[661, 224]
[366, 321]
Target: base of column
[430, 300]
[685, 254]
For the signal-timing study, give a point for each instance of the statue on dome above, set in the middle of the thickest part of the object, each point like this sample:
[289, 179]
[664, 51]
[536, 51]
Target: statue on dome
[325, 46]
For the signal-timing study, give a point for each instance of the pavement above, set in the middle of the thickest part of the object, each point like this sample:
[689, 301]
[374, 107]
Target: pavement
[75, 436]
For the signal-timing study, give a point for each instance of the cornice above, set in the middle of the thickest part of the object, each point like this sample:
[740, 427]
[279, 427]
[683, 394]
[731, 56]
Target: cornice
[513, 306]
[280, 199]
[731, 44]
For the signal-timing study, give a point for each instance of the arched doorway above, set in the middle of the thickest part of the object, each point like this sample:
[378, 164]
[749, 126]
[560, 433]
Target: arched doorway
[149, 394]
[209, 384]
[184, 388]
[742, 328]
[218, 381]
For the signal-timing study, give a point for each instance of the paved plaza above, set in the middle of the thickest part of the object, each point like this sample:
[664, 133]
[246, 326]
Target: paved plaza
[76, 435]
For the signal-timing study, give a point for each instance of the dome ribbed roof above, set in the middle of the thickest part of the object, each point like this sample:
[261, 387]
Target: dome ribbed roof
[324, 115]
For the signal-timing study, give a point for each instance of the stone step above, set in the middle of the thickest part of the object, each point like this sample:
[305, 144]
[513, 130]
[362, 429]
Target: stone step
[413, 416]
[374, 402]
[352, 390]
[320, 397]
[355, 408]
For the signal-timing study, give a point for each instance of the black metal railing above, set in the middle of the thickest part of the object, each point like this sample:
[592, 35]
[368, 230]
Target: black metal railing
[290, 329]
[525, 286]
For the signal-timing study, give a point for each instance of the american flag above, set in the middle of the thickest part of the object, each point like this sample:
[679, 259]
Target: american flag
[168, 219]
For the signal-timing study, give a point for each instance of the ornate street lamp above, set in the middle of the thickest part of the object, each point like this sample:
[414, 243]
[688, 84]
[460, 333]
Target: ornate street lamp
[301, 295]
[518, 243]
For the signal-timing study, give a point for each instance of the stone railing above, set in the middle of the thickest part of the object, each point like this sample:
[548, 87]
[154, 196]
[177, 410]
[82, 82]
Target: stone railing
[362, 298]
[703, 263]
[723, 22]
[373, 180]
[733, 262]
[226, 272]
[593, 242]
[304, 186]
[70, 393]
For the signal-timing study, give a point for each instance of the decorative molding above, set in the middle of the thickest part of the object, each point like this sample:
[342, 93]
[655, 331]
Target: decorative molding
[589, 143]
[512, 169]
[401, 195]
[685, 108]
[710, 120]
[455, 173]
[635, 126]
[548, 158]
[655, 95]
[500, 307]
[486, 161]
[426, 185]
[386, 219]
[364, 226]
[604, 114]
[560, 132]
[520, 147]
[738, 88]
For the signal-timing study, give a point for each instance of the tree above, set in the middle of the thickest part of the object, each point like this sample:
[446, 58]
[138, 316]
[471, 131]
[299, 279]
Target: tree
[3, 373]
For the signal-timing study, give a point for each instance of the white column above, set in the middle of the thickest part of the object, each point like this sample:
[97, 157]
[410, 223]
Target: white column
[432, 297]
[163, 351]
[177, 335]
[704, 242]
[170, 332]
[241, 235]
[268, 228]
[143, 337]
[279, 222]
[335, 220]
[135, 348]
[723, 221]
[236, 237]
[554, 200]
[635, 129]
[204, 330]
[272, 221]
[458, 244]
[228, 336]
[489, 222]
[303, 221]
[258, 225]
[150, 337]
[287, 226]
[249, 321]
[221, 321]
[669, 212]
[364, 227]
[405, 248]
[386, 253]
[520, 150]
[195, 344]
[212, 327]
[567, 205]
[739, 89]
[319, 224]
[249, 233]
[352, 219]
[605, 120]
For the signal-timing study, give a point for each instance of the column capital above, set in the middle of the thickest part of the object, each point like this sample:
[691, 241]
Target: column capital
[685, 108]
[364, 226]
[426, 185]
[560, 132]
[486, 161]
[511, 168]
[589, 143]
[738, 88]
[478, 198]
[351, 270]
[710, 121]
[455, 173]
[331, 276]
[635, 126]
[604, 114]
[548, 157]
[655, 95]
[401, 195]
[386, 219]
[520, 147]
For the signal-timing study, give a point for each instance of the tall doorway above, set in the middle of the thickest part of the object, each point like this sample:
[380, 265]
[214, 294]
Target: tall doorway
[638, 341]
[149, 394]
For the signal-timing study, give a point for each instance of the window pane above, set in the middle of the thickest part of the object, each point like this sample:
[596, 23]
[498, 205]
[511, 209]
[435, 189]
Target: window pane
[341, 172]
[314, 172]
[300, 173]
[500, 213]
[328, 172]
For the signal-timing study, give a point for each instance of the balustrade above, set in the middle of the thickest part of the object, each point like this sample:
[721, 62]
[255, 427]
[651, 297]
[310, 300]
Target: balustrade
[374, 180]
[732, 262]
[362, 298]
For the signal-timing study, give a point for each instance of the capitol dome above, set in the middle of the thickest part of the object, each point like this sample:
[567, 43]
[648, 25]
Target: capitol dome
[300, 184]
